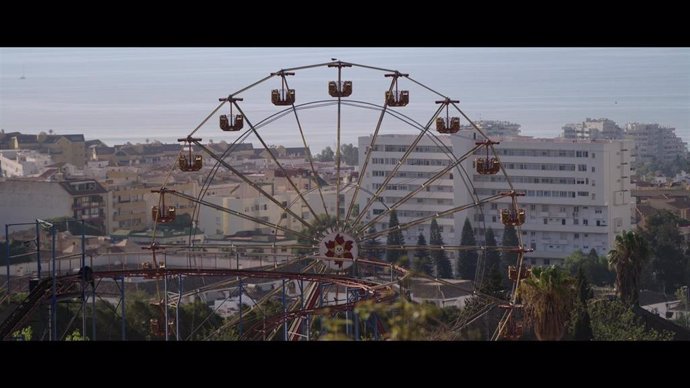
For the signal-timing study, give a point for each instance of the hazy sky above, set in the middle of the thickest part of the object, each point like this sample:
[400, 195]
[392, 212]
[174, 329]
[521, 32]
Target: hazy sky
[119, 94]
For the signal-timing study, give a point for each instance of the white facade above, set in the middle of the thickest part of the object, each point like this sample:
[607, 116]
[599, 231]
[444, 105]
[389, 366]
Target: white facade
[592, 129]
[577, 193]
[24, 201]
[22, 163]
[427, 160]
[654, 142]
[250, 202]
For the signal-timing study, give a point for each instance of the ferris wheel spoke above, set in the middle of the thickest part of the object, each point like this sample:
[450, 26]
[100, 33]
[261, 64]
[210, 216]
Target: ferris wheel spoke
[254, 84]
[255, 186]
[491, 146]
[307, 149]
[207, 118]
[206, 184]
[305, 67]
[368, 152]
[401, 162]
[236, 213]
[425, 87]
[338, 155]
[411, 194]
[422, 220]
[287, 175]
[371, 67]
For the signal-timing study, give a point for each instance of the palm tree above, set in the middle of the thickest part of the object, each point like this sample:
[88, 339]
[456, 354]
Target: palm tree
[547, 297]
[627, 258]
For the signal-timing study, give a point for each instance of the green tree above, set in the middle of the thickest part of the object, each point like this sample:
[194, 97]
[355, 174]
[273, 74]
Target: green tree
[443, 267]
[197, 320]
[350, 154]
[667, 248]
[581, 327]
[492, 282]
[614, 321]
[510, 239]
[596, 268]
[372, 246]
[627, 258]
[16, 248]
[395, 239]
[76, 336]
[493, 257]
[319, 228]
[683, 318]
[139, 314]
[326, 155]
[25, 334]
[422, 261]
[467, 259]
[547, 296]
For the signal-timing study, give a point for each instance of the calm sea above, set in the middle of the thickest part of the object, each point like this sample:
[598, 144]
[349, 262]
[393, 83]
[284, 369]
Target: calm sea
[133, 94]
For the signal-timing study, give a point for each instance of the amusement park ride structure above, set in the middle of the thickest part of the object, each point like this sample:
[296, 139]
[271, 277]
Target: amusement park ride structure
[328, 258]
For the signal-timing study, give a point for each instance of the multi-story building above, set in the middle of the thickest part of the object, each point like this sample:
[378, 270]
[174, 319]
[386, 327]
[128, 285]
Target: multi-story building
[132, 198]
[26, 200]
[242, 198]
[21, 163]
[592, 129]
[496, 128]
[62, 148]
[654, 142]
[577, 193]
[427, 159]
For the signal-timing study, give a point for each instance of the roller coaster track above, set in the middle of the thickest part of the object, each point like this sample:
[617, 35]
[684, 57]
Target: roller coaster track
[42, 291]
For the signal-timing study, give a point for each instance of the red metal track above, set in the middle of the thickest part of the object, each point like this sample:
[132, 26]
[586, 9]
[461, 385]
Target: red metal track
[373, 289]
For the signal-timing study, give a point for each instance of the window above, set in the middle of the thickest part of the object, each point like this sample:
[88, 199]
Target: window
[532, 233]
[546, 221]
[563, 221]
[585, 222]
[532, 207]
[576, 236]
[544, 208]
[547, 262]
[594, 169]
[494, 206]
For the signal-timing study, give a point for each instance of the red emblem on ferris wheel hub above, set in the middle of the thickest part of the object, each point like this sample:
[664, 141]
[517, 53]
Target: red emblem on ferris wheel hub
[339, 245]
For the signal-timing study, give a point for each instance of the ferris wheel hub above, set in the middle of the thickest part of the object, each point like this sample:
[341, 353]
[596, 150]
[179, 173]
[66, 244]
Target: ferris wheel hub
[338, 245]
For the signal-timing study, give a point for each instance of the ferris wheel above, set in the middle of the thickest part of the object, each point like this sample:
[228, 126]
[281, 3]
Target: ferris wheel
[319, 224]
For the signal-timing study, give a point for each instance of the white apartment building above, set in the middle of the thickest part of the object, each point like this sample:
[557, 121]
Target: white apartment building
[496, 128]
[577, 193]
[22, 163]
[592, 129]
[426, 160]
[242, 198]
[654, 142]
